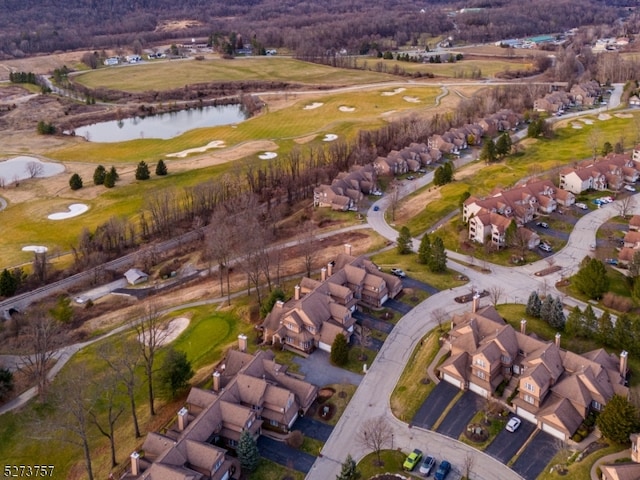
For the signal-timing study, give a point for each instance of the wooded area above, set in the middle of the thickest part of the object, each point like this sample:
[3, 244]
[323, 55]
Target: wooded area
[29, 27]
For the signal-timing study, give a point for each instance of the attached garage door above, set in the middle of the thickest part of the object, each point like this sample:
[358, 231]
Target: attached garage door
[478, 389]
[553, 431]
[452, 380]
[324, 346]
[528, 416]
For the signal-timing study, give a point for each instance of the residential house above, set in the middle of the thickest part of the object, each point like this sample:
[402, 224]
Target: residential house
[326, 196]
[634, 223]
[582, 179]
[249, 392]
[634, 101]
[632, 239]
[557, 388]
[322, 309]
[586, 93]
[347, 189]
[626, 470]
[135, 276]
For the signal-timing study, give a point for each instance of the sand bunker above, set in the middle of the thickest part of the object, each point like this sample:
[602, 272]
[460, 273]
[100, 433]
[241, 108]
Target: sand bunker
[395, 92]
[604, 116]
[587, 121]
[411, 99]
[330, 137]
[313, 105]
[208, 146]
[75, 209]
[170, 332]
[343, 108]
[624, 115]
[267, 155]
[577, 126]
[35, 248]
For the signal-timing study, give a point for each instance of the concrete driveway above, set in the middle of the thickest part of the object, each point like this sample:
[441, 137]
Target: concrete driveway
[506, 444]
[460, 414]
[534, 459]
[398, 306]
[372, 322]
[313, 428]
[281, 453]
[430, 411]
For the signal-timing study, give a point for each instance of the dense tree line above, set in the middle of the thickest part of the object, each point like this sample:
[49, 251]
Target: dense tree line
[31, 27]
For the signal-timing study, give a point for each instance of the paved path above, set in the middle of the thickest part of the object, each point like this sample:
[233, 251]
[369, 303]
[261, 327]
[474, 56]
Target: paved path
[431, 369]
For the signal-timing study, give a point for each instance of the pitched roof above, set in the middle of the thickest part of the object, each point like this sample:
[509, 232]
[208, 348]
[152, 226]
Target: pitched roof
[561, 414]
[619, 471]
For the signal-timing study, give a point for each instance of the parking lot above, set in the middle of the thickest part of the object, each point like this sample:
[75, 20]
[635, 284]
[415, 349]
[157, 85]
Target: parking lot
[506, 444]
[434, 405]
[533, 460]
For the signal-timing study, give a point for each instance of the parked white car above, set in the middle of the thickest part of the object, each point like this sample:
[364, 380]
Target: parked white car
[629, 188]
[513, 424]
[581, 206]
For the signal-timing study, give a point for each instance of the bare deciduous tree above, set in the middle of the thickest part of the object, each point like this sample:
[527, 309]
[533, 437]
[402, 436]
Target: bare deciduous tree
[363, 335]
[594, 141]
[375, 434]
[42, 334]
[308, 248]
[440, 316]
[495, 294]
[109, 399]
[123, 358]
[151, 333]
[394, 199]
[625, 205]
[34, 169]
[220, 242]
[468, 464]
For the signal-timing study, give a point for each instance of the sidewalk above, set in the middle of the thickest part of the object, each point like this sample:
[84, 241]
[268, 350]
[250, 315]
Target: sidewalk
[436, 361]
[607, 459]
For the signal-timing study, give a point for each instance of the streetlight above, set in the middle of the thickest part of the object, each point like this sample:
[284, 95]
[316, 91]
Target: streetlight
[392, 441]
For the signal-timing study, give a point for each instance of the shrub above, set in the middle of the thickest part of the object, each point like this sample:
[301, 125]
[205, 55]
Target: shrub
[617, 302]
[75, 182]
[577, 437]
[295, 439]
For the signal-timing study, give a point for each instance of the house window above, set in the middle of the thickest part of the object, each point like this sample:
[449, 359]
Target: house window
[249, 423]
[232, 443]
[596, 405]
[479, 362]
[529, 386]
[529, 399]
[480, 374]
[505, 359]
[274, 423]
[218, 464]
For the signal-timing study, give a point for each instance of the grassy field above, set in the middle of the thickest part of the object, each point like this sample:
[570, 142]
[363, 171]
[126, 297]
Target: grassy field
[178, 73]
[461, 69]
[392, 461]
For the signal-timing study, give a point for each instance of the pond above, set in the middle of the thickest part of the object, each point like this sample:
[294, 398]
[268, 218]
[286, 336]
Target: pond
[162, 126]
[23, 167]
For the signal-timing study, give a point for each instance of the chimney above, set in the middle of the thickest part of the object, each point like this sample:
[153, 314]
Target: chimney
[296, 291]
[183, 418]
[135, 464]
[216, 382]
[279, 304]
[323, 274]
[329, 269]
[623, 364]
[523, 326]
[242, 342]
[347, 248]
[476, 303]
[558, 339]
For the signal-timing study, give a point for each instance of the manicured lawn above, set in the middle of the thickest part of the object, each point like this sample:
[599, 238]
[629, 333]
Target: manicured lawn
[392, 461]
[462, 69]
[410, 391]
[578, 470]
[178, 73]
[273, 471]
[409, 263]
[494, 429]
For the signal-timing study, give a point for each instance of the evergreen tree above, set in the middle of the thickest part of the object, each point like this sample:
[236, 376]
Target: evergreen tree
[247, 452]
[534, 304]
[75, 182]
[605, 328]
[349, 470]
[6, 384]
[438, 263]
[438, 176]
[340, 350]
[590, 322]
[175, 373]
[546, 308]
[63, 311]
[142, 171]
[592, 278]
[618, 419]
[635, 291]
[448, 172]
[109, 179]
[424, 251]
[404, 241]
[557, 319]
[161, 168]
[503, 145]
[275, 295]
[488, 152]
[114, 173]
[8, 283]
[573, 326]
[99, 174]
[463, 198]
[511, 234]
[621, 330]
